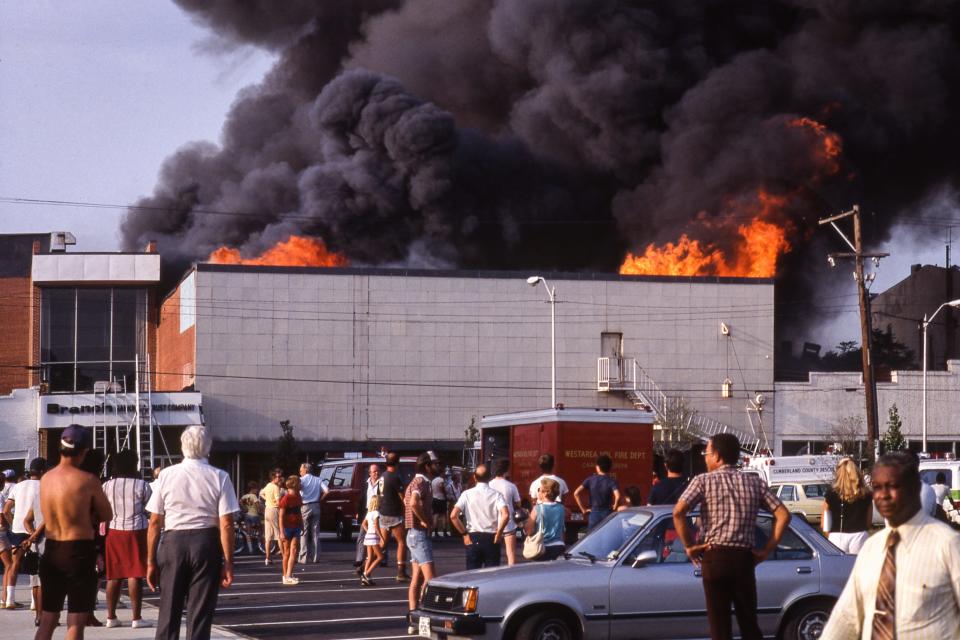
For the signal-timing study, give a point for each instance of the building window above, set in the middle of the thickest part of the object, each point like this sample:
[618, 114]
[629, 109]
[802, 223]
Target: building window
[91, 334]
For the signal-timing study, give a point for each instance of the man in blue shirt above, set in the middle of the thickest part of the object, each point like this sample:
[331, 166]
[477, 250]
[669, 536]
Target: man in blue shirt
[603, 490]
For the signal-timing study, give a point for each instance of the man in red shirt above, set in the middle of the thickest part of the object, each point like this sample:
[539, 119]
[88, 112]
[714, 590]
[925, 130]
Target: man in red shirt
[417, 502]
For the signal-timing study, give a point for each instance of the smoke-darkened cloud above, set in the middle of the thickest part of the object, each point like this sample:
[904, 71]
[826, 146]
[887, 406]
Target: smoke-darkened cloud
[560, 133]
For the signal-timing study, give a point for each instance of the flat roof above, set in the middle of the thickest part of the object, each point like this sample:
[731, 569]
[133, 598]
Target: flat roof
[573, 414]
[469, 273]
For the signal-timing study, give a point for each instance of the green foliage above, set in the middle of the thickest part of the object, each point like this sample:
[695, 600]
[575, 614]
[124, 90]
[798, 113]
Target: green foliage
[887, 353]
[893, 439]
[287, 456]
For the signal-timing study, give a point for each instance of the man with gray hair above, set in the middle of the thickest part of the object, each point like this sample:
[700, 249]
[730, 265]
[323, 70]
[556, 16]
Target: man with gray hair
[312, 489]
[194, 504]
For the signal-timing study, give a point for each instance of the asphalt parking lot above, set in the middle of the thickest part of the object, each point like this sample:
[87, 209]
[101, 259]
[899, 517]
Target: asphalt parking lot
[328, 603]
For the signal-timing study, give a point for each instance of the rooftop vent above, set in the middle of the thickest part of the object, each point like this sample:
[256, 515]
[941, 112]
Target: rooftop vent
[59, 241]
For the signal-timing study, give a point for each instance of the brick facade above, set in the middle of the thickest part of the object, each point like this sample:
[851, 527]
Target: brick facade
[176, 363]
[16, 317]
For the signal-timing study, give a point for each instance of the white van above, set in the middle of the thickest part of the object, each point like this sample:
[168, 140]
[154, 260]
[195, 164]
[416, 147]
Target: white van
[949, 468]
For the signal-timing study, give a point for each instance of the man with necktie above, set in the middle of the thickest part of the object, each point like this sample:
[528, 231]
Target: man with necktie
[906, 581]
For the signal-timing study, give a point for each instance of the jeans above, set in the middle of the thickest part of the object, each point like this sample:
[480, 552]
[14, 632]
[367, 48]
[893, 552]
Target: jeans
[596, 516]
[482, 551]
[420, 546]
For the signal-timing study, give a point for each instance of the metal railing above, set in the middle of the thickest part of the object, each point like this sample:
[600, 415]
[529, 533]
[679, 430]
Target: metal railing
[644, 392]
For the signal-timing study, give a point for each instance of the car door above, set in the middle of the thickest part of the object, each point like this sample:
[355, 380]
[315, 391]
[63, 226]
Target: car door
[791, 571]
[661, 599]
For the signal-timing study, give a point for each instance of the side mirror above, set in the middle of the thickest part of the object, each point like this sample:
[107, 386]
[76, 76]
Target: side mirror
[645, 558]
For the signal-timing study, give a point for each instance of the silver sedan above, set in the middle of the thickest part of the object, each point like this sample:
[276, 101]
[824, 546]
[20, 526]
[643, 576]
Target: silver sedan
[630, 578]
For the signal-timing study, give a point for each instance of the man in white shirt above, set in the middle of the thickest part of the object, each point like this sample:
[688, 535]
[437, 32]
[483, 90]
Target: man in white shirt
[486, 514]
[311, 489]
[546, 466]
[194, 504]
[10, 481]
[906, 581]
[19, 501]
[511, 496]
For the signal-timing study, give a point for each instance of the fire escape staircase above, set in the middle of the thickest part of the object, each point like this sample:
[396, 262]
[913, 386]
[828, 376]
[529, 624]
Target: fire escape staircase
[124, 420]
[625, 375]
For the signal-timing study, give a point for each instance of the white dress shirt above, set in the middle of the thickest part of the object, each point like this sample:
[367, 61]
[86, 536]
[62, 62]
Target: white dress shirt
[193, 495]
[481, 507]
[511, 496]
[927, 590]
[311, 488]
[535, 485]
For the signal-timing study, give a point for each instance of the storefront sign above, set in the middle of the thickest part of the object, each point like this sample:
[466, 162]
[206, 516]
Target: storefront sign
[168, 408]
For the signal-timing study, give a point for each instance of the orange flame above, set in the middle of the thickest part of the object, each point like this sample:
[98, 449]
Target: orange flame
[297, 251]
[829, 145]
[760, 244]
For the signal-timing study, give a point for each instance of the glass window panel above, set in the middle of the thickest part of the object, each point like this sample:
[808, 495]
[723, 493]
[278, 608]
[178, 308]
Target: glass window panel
[342, 477]
[60, 377]
[124, 372]
[126, 310]
[93, 325]
[57, 335]
[90, 372]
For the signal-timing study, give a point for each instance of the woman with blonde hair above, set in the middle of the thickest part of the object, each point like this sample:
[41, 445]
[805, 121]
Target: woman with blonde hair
[847, 508]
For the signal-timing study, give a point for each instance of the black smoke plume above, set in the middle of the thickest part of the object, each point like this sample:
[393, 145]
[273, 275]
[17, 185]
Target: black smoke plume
[561, 133]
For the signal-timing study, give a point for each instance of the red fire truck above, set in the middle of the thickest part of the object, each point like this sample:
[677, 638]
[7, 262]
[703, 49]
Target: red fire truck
[575, 437]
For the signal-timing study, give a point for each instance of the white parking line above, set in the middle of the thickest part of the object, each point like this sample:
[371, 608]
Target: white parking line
[291, 622]
[376, 638]
[244, 594]
[309, 604]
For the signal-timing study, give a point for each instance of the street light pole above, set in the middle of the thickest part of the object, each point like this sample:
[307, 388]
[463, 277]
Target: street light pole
[552, 295]
[926, 322]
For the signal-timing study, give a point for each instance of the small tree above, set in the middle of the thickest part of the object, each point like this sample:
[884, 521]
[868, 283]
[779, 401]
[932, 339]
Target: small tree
[673, 427]
[287, 456]
[893, 439]
[846, 436]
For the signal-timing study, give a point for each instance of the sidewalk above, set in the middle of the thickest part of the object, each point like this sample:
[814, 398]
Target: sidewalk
[18, 623]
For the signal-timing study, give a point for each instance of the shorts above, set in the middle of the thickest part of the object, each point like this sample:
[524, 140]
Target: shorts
[271, 528]
[5, 543]
[439, 507]
[16, 538]
[389, 522]
[68, 570]
[126, 554]
[420, 546]
[292, 532]
[251, 521]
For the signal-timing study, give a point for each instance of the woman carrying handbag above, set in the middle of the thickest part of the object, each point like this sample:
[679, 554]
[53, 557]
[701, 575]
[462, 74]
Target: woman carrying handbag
[545, 527]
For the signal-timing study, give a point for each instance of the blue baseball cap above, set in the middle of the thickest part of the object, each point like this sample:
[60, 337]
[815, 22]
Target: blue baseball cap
[76, 437]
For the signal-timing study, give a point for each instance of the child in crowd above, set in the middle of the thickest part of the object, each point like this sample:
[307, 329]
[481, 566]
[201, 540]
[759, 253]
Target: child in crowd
[374, 540]
[291, 527]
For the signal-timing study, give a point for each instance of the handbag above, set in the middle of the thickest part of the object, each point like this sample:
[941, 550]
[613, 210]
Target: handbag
[533, 544]
[30, 563]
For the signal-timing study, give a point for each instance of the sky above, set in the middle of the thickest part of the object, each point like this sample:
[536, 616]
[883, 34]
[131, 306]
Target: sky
[95, 95]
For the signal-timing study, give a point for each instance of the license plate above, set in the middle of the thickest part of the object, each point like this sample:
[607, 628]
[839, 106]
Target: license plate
[424, 627]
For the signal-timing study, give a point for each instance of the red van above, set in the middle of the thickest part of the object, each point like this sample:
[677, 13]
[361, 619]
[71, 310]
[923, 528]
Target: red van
[346, 486]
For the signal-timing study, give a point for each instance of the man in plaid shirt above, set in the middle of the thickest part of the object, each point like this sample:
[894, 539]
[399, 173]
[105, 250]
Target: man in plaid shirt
[729, 502]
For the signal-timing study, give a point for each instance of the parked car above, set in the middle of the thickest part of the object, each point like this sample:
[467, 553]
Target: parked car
[347, 485]
[629, 578]
[803, 498]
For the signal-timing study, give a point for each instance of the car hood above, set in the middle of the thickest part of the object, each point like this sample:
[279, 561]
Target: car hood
[527, 573]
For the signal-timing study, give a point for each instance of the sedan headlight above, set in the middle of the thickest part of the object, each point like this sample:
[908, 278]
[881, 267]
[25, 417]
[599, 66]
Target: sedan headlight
[468, 599]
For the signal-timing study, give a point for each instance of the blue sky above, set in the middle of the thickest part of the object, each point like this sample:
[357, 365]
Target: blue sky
[93, 96]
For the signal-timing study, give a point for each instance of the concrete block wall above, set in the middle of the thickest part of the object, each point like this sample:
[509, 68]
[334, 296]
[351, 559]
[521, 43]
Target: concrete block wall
[373, 355]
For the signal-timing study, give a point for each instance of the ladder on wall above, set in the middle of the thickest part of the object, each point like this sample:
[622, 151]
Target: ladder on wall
[148, 440]
[644, 393]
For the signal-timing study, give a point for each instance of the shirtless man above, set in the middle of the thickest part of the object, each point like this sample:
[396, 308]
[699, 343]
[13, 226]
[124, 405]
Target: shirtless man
[72, 504]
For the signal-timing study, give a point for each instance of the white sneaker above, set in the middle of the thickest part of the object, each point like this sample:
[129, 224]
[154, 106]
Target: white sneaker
[141, 624]
[289, 581]
[111, 623]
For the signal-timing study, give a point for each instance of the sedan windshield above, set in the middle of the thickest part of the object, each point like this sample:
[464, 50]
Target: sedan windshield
[607, 540]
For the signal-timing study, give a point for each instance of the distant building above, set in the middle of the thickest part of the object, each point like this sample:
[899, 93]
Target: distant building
[902, 307]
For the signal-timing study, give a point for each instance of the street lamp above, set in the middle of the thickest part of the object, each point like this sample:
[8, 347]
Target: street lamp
[926, 322]
[552, 295]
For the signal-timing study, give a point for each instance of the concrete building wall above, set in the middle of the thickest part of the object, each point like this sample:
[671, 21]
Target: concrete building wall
[811, 410]
[374, 355]
[18, 426]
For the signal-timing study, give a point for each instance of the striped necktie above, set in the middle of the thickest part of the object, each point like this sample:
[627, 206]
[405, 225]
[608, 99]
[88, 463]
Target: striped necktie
[885, 614]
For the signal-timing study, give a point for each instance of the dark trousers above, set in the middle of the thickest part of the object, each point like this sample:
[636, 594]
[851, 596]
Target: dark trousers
[728, 578]
[482, 552]
[596, 516]
[190, 563]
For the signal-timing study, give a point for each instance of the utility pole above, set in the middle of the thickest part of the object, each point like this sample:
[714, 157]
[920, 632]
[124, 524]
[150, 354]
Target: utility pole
[866, 330]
